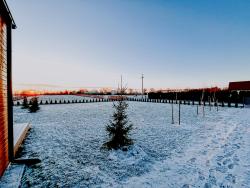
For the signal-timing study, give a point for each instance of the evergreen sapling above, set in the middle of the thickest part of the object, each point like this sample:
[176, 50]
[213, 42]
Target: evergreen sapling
[34, 107]
[119, 127]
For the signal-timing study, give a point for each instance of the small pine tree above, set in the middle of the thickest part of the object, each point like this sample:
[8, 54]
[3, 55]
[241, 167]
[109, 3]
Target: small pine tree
[25, 103]
[34, 107]
[119, 128]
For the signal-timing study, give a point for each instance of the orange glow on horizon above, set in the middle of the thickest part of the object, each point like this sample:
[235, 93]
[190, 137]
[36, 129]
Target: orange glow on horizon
[32, 92]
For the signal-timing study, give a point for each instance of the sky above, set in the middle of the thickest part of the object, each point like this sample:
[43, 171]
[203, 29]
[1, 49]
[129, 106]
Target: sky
[90, 43]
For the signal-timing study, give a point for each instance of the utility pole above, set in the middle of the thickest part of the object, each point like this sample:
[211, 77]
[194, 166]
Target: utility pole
[142, 90]
[121, 82]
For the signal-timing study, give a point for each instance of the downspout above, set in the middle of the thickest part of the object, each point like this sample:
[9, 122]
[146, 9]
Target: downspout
[9, 93]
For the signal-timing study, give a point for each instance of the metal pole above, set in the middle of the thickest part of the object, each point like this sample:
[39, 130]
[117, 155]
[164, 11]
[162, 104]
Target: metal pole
[121, 82]
[203, 108]
[172, 113]
[10, 97]
[243, 101]
[142, 89]
[179, 113]
[209, 103]
[176, 97]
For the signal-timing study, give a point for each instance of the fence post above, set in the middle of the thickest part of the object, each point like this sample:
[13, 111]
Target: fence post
[203, 108]
[179, 113]
[243, 101]
[236, 104]
[209, 103]
[197, 109]
[172, 113]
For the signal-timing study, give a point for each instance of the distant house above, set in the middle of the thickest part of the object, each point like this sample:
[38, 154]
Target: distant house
[239, 86]
[243, 86]
[6, 113]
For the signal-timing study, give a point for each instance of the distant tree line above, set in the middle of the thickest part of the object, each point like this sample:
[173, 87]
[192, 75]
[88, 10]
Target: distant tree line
[223, 95]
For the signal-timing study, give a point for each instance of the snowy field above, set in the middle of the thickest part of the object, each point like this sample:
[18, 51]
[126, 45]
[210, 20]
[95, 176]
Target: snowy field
[210, 151]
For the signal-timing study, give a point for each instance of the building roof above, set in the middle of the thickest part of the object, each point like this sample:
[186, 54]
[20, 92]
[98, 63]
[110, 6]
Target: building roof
[6, 12]
[240, 86]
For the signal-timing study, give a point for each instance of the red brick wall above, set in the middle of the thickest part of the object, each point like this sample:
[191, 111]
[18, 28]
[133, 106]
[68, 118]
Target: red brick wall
[4, 161]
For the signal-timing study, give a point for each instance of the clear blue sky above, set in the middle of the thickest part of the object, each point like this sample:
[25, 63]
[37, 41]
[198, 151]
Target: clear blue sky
[175, 43]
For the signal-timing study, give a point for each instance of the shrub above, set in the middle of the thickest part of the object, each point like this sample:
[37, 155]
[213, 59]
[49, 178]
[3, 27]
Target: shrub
[25, 103]
[34, 107]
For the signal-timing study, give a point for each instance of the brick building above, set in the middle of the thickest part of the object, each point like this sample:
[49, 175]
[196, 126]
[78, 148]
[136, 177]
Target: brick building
[242, 86]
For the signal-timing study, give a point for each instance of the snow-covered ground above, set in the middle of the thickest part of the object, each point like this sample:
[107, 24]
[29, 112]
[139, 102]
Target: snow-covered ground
[210, 151]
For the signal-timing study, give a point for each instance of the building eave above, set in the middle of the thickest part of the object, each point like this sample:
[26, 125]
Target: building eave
[8, 14]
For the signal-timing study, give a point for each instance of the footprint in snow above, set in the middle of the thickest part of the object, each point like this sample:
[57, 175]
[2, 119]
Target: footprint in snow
[207, 163]
[229, 154]
[204, 152]
[214, 141]
[207, 185]
[186, 186]
[219, 158]
[192, 160]
[236, 159]
[221, 169]
[226, 161]
[236, 146]
[212, 180]
[231, 166]
[231, 178]
[201, 176]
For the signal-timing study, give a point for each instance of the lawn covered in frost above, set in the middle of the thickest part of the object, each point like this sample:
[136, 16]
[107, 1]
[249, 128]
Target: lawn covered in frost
[202, 151]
